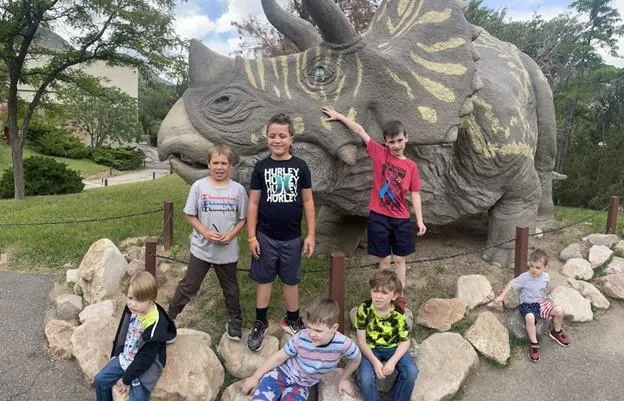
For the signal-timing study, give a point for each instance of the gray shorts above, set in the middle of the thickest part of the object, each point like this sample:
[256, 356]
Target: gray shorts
[277, 258]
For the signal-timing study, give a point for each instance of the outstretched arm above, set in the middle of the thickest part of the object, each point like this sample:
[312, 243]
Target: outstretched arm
[417, 205]
[333, 115]
[272, 362]
[500, 298]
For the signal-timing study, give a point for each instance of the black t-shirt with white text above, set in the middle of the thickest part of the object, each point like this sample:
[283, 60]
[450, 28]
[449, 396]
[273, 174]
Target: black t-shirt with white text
[281, 204]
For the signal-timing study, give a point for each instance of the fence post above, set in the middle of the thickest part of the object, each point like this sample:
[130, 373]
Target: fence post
[105, 182]
[337, 284]
[522, 250]
[614, 204]
[168, 225]
[153, 175]
[150, 256]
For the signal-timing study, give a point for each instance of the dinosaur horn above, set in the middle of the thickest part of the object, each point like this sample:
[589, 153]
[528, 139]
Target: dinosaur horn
[205, 65]
[333, 24]
[298, 30]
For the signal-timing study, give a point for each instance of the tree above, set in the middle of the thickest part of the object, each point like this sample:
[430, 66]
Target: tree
[130, 32]
[155, 100]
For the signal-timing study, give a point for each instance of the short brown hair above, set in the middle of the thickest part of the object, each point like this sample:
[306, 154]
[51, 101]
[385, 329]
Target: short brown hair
[392, 129]
[281, 119]
[143, 286]
[386, 279]
[539, 255]
[323, 310]
[221, 149]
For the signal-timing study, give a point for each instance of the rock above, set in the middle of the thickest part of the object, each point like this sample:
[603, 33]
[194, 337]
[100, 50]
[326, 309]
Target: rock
[490, 337]
[68, 307]
[100, 309]
[58, 334]
[517, 326]
[445, 360]
[474, 290]
[607, 240]
[135, 253]
[616, 265]
[599, 254]
[135, 266]
[440, 314]
[612, 285]
[78, 289]
[239, 360]
[574, 306]
[92, 343]
[511, 300]
[328, 388]
[571, 251]
[619, 247]
[71, 277]
[101, 271]
[591, 293]
[284, 339]
[233, 393]
[193, 371]
[578, 268]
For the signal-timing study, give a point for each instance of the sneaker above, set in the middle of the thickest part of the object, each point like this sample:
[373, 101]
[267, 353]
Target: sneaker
[534, 354]
[234, 329]
[292, 327]
[401, 303]
[560, 337]
[255, 341]
[170, 341]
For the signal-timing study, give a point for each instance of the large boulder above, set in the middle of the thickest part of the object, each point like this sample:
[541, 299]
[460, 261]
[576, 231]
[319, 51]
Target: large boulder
[612, 285]
[440, 314]
[233, 393]
[71, 276]
[100, 309]
[490, 337]
[101, 271]
[619, 247]
[58, 334]
[578, 268]
[598, 255]
[575, 307]
[68, 306]
[517, 326]
[615, 266]
[328, 388]
[474, 290]
[591, 293]
[512, 299]
[571, 251]
[91, 344]
[607, 240]
[445, 360]
[239, 360]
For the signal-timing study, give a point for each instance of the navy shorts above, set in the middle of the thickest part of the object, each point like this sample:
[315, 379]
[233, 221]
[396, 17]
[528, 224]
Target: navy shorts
[540, 310]
[389, 235]
[277, 258]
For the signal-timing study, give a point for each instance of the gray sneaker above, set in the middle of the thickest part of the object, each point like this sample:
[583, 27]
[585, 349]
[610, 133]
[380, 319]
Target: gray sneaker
[255, 341]
[234, 329]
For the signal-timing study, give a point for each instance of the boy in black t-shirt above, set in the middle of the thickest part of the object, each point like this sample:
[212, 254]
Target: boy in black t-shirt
[280, 192]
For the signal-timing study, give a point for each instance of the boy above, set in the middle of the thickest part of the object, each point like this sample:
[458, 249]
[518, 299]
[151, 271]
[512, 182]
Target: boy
[216, 208]
[383, 338]
[280, 190]
[389, 229]
[139, 354]
[310, 354]
[532, 287]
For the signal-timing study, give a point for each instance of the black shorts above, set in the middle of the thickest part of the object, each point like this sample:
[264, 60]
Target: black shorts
[389, 235]
[277, 258]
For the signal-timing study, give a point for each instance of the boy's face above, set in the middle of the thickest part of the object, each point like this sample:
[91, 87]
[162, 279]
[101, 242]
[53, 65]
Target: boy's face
[320, 333]
[219, 167]
[536, 268]
[396, 144]
[382, 297]
[137, 307]
[279, 140]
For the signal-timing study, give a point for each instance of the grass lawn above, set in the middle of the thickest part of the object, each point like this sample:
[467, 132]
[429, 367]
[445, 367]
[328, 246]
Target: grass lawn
[85, 167]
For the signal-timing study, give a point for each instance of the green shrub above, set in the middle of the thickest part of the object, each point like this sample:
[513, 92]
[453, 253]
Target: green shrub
[118, 158]
[42, 176]
[60, 144]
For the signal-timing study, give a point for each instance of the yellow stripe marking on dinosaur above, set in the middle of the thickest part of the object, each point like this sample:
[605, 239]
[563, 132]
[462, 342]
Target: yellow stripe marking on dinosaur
[402, 6]
[299, 63]
[360, 70]
[352, 114]
[407, 19]
[277, 91]
[250, 75]
[443, 68]
[434, 17]
[274, 64]
[260, 65]
[428, 114]
[436, 89]
[284, 61]
[403, 83]
[340, 86]
[326, 124]
[299, 125]
[440, 46]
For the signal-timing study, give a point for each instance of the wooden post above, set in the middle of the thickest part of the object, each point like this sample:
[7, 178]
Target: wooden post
[105, 182]
[614, 204]
[168, 225]
[337, 284]
[150, 256]
[522, 250]
[153, 175]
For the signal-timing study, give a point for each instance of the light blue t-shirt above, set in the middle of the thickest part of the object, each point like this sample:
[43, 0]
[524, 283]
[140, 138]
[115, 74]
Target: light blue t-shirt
[531, 289]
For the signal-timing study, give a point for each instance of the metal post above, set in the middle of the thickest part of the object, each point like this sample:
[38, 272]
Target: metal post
[522, 250]
[337, 284]
[614, 204]
[150, 256]
[105, 182]
[168, 225]
[153, 175]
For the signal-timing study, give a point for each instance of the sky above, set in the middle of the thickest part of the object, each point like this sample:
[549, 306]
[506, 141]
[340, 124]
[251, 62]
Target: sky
[211, 20]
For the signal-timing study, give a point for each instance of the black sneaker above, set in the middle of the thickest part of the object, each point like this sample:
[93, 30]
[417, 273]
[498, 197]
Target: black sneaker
[255, 341]
[292, 327]
[234, 329]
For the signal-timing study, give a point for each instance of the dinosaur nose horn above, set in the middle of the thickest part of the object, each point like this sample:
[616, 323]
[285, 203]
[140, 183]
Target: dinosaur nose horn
[333, 24]
[207, 66]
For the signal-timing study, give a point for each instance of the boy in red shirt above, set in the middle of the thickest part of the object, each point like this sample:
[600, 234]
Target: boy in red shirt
[390, 234]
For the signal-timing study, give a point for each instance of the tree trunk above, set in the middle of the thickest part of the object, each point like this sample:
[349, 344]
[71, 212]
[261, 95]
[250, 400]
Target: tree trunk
[17, 148]
[566, 134]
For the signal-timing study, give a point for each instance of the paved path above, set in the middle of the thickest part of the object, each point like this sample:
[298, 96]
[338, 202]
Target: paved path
[27, 371]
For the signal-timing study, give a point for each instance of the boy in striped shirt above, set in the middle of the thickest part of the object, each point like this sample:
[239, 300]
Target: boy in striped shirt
[308, 356]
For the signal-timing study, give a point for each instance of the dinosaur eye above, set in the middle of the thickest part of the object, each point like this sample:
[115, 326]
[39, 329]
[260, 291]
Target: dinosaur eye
[320, 73]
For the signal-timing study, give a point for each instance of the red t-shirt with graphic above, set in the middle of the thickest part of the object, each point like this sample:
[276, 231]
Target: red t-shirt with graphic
[393, 179]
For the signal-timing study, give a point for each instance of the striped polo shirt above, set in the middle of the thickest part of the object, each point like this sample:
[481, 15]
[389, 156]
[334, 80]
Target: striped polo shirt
[309, 362]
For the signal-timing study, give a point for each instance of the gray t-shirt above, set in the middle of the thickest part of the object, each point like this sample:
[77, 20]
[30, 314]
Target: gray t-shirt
[218, 209]
[531, 289]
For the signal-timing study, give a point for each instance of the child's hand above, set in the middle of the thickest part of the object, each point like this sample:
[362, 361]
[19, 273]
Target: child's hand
[249, 385]
[254, 249]
[422, 229]
[332, 115]
[308, 246]
[121, 387]
[378, 366]
[227, 238]
[344, 386]
[497, 300]
[212, 236]
[388, 368]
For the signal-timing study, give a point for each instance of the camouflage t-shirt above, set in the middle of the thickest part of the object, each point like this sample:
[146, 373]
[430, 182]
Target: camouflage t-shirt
[381, 332]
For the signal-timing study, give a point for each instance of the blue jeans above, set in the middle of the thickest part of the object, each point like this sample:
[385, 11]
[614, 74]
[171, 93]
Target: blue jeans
[404, 383]
[108, 376]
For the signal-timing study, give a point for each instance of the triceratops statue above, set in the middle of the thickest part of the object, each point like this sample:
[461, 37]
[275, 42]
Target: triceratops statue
[479, 114]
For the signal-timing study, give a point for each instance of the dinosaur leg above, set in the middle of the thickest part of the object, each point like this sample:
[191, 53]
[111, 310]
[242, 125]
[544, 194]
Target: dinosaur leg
[546, 210]
[338, 232]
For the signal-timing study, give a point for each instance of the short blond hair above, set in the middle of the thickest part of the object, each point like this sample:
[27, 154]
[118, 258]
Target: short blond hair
[221, 149]
[323, 310]
[386, 279]
[143, 286]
